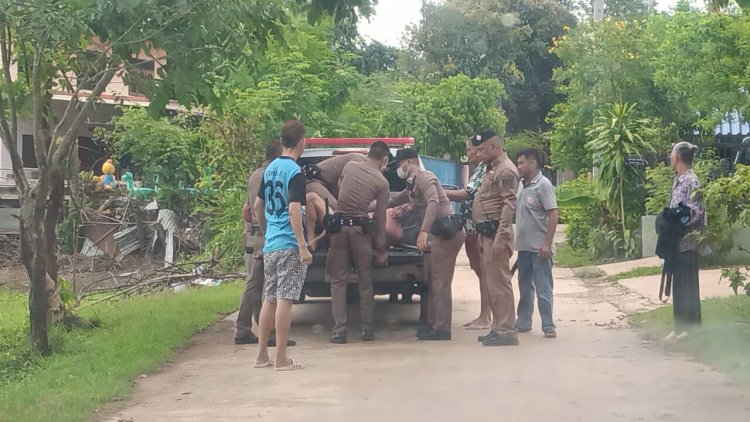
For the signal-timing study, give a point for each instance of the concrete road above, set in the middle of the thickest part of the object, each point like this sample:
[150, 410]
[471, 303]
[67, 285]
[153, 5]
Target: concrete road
[597, 370]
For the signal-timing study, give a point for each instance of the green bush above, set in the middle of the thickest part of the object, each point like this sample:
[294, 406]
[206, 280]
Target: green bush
[579, 216]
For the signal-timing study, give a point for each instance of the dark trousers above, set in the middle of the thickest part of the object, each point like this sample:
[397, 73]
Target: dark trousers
[685, 292]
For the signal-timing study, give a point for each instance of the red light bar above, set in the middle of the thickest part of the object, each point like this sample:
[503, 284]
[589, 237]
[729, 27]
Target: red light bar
[357, 141]
[349, 151]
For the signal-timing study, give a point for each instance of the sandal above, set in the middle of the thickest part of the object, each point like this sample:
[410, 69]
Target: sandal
[291, 367]
[265, 364]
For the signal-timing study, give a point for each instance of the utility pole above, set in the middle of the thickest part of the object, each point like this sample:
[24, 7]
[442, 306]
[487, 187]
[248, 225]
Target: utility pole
[598, 10]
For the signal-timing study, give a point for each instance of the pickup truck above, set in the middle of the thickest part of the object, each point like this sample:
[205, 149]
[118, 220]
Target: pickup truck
[406, 273]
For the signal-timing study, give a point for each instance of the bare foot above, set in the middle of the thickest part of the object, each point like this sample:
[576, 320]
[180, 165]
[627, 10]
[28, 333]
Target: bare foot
[478, 324]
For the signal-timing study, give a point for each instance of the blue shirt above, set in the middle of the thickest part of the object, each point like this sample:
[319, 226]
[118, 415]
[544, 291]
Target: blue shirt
[283, 183]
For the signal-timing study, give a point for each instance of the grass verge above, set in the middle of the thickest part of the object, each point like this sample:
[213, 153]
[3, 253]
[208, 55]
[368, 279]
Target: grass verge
[567, 257]
[723, 340]
[92, 367]
[635, 273]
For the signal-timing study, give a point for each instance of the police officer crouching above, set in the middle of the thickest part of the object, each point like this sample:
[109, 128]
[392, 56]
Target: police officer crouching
[352, 234]
[492, 211]
[441, 235]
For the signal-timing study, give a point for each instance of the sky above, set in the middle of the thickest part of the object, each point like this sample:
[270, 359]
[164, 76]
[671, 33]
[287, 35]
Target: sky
[393, 16]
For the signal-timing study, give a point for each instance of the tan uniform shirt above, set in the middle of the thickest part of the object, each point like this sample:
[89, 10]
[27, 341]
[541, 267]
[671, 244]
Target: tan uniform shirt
[427, 196]
[331, 168]
[253, 187]
[362, 183]
[496, 198]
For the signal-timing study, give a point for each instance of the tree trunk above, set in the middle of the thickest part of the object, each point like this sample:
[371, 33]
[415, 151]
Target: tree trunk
[34, 259]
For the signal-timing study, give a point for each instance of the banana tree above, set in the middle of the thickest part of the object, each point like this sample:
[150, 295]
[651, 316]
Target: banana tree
[619, 134]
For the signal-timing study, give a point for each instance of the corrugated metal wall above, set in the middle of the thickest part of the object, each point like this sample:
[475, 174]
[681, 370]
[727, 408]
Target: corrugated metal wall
[448, 172]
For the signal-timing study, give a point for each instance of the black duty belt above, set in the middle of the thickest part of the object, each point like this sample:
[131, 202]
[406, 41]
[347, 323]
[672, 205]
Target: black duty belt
[488, 228]
[353, 221]
[334, 222]
[448, 226]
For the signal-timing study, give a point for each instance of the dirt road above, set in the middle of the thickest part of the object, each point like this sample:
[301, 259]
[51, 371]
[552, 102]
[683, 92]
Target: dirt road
[597, 370]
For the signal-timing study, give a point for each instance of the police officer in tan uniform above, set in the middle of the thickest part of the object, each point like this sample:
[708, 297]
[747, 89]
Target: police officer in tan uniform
[251, 297]
[323, 177]
[492, 211]
[441, 235]
[352, 237]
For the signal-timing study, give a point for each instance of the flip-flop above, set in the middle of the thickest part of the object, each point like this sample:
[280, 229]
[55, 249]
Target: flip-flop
[294, 366]
[265, 364]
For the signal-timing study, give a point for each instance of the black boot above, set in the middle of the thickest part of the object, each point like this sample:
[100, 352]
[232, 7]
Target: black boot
[338, 337]
[491, 334]
[368, 334]
[423, 329]
[435, 335]
[502, 340]
[248, 339]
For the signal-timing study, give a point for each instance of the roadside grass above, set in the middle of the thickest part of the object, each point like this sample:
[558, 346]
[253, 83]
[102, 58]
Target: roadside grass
[635, 273]
[567, 257]
[723, 340]
[92, 367]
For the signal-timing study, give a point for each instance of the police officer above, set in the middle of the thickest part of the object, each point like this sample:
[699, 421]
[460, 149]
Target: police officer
[352, 238]
[251, 297]
[492, 211]
[466, 197]
[441, 235]
[323, 178]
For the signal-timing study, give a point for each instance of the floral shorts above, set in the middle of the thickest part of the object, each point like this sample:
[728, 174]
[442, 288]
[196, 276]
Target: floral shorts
[284, 275]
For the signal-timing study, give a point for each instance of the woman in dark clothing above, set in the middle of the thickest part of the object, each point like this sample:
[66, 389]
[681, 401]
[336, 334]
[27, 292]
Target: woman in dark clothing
[685, 191]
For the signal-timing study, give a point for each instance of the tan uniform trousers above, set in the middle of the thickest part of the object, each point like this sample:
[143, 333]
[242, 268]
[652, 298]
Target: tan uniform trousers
[496, 276]
[442, 266]
[253, 294]
[350, 247]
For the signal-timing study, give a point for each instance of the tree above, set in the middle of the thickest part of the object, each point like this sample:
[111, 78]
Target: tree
[442, 116]
[508, 40]
[49, 42]
[606, 62]
[704, 61]
[618, 133]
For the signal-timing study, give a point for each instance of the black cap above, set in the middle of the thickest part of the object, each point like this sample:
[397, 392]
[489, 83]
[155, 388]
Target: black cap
[482, 137]
[404, 154]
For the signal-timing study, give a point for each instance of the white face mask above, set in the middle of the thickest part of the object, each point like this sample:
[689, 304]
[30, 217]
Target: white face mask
[401, 173]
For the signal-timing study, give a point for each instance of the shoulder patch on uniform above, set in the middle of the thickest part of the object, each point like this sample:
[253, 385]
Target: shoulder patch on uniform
[507, 182]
